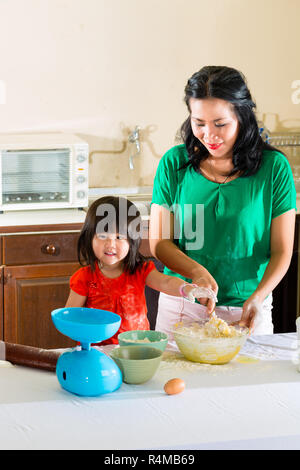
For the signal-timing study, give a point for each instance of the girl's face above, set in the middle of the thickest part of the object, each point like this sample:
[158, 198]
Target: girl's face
[110, 248]
[215, 125]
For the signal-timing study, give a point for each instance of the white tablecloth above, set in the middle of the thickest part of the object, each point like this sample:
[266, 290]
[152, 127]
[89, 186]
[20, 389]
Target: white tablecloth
[240, 405]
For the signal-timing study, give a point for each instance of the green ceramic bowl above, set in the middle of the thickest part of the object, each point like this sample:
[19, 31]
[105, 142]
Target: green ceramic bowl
[138, 364]
[148, 338]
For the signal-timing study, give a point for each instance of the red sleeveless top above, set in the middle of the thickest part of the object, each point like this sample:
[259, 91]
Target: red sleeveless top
[124, 295]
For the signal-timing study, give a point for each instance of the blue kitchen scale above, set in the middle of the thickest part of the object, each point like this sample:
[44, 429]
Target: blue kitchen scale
[87, 371]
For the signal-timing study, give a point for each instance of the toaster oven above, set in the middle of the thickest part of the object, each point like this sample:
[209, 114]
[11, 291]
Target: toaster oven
[43, 171]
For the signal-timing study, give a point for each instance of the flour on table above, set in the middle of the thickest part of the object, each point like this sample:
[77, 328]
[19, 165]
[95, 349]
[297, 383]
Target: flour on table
[176, 359]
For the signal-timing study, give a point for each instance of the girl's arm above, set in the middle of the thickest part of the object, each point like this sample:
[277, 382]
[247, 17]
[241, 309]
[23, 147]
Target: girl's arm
[282, 241]
[162, 247]
[168, 284]
[75, 300]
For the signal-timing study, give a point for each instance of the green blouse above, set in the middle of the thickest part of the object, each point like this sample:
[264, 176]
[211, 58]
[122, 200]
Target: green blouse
[225, 227]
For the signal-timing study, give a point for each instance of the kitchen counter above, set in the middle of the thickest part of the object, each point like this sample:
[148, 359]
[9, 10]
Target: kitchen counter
[140, 195]
[42, 217]
[19, 220]
[250, 403]
[41, 220]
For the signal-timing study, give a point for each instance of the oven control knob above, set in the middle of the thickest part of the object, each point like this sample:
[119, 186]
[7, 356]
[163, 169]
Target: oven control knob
[80, 179]
[81, 158]
[80, 194]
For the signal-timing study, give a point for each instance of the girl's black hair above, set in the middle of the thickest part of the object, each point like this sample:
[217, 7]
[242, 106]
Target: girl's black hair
[230, 85]
[112, 214]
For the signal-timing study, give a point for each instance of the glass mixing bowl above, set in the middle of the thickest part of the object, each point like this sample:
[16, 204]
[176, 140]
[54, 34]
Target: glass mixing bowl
[197, 347]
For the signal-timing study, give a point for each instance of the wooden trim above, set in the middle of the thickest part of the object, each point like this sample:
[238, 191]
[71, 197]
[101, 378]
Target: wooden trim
[35, 270]
[40, 228]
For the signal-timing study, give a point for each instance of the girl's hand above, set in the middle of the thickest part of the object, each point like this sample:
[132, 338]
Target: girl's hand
[208, 282]
[251, 309]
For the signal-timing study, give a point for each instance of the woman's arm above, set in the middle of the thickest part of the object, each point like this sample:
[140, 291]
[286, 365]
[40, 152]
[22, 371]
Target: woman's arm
[75, 300]
[282, 241]
[162, 247]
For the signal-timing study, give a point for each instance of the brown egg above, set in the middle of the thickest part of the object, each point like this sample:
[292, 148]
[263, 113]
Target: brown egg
[174, 386]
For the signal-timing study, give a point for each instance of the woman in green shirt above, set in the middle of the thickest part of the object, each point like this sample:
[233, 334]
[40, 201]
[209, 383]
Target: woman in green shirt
[223, 206]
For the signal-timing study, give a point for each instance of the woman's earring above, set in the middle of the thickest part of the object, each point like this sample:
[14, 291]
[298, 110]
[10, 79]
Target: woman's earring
[100, 264]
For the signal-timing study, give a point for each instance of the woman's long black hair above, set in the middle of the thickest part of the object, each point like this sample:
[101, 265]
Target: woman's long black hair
[230, 85]
[108, 214]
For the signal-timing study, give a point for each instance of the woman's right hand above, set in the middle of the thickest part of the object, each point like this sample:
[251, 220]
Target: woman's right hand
[205, 279]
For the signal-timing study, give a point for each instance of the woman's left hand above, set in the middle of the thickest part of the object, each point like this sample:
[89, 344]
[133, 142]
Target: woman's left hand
[251, 309]
[206, 281]
[195, 292]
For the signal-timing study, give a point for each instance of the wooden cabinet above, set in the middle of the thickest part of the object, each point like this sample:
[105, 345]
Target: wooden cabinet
[30, 294]
[35, 274]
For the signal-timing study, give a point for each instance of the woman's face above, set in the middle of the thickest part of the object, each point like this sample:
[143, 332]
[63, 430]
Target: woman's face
[215, 125]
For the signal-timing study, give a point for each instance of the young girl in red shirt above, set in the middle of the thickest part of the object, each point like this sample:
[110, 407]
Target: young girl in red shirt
[114, 273]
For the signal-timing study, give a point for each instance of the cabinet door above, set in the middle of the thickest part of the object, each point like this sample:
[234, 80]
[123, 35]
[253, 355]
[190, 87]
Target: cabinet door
[30, 294]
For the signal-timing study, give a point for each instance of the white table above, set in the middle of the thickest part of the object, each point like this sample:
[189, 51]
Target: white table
[252, 405]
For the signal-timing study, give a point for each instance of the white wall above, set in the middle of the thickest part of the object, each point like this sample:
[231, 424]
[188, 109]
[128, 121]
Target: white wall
[99, 67]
